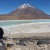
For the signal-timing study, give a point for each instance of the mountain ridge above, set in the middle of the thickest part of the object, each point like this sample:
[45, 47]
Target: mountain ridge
[25, 11]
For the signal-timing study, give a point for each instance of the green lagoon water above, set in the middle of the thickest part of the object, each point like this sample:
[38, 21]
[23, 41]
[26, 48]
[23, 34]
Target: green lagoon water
[15, 22]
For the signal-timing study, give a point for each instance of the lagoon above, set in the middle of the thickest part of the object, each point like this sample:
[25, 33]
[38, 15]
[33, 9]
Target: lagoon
[15, 22]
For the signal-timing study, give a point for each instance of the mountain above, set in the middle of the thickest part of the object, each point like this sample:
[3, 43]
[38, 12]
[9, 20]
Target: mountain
[25, 11]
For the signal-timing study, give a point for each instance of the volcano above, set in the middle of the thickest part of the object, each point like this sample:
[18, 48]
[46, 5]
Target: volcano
[25, 11]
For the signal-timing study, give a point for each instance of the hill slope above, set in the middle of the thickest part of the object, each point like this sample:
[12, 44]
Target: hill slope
[25, 11]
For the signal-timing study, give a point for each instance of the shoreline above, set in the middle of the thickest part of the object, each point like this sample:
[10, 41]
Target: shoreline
[27, 35]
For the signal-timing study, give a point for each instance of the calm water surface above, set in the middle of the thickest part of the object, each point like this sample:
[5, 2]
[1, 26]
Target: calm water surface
[15, 22]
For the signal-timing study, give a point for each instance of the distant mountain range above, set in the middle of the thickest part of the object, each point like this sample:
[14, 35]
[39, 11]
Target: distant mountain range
[25, 11]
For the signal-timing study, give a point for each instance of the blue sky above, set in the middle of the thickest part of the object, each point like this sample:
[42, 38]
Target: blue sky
[6, 6]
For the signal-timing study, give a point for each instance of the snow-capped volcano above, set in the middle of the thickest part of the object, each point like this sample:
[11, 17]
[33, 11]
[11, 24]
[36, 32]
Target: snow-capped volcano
[24, 6]
[25, 11]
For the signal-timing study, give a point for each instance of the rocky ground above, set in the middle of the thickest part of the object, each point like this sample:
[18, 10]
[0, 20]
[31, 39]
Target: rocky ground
[25, 44]
[31, 47]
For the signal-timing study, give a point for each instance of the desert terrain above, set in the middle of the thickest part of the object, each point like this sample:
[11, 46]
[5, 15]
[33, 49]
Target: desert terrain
[28, 36]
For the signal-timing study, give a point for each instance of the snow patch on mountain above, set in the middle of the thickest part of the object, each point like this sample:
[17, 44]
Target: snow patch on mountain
[24, 6]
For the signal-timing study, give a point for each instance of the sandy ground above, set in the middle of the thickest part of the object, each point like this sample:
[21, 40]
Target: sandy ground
[22, 35]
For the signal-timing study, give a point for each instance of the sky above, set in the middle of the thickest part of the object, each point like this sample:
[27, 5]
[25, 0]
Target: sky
[7, 6]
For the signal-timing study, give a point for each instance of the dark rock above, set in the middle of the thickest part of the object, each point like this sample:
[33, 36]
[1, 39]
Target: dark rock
[1, 33]
[43, 42]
